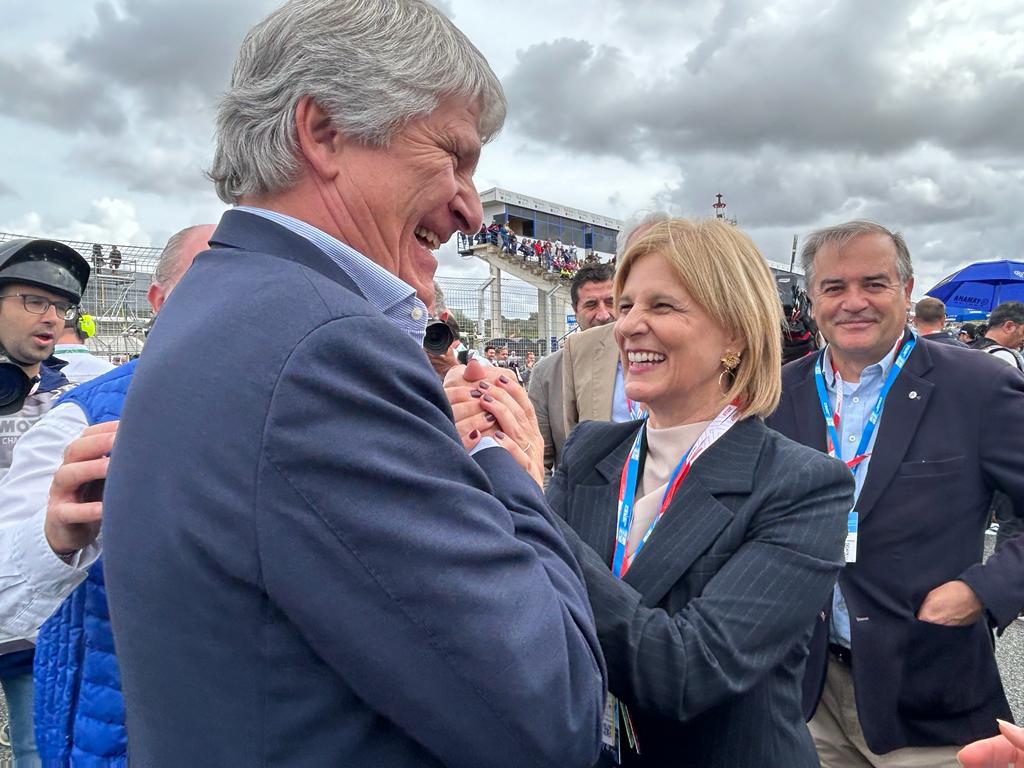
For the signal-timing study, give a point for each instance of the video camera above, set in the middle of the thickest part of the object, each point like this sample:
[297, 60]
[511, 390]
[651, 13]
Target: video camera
[441, 333]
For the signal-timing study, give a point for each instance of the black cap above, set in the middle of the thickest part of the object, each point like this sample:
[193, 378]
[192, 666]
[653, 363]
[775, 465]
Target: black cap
[45, 263]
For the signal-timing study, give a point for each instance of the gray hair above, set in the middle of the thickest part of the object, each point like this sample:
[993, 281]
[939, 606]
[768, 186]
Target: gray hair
[371, 65]
[439, 305]
[635, 225]
[841, 234]
[171, 264]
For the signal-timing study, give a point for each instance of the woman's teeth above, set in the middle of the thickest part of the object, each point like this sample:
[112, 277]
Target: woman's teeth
[645, 357]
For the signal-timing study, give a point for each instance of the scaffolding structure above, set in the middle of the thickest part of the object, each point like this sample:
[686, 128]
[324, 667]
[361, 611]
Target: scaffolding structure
[116, 294]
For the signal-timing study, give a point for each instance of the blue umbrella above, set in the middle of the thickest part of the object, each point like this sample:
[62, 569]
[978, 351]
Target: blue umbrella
[967, 314]
[982, 286]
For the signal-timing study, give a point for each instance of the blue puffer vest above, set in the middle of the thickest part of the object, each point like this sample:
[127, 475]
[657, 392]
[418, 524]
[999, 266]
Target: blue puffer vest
[79, 709]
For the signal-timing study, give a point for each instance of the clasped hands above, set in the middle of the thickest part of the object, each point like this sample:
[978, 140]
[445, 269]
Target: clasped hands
[485, 402]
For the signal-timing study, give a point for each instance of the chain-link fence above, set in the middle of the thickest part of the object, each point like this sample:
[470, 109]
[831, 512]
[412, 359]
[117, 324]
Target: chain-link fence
[518, 325]
[121, 274]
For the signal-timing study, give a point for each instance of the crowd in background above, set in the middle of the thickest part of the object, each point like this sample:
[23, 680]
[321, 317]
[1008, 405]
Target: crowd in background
[562, 259]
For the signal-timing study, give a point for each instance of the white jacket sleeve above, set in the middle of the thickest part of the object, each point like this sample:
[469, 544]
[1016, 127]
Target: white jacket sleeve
[33, 580]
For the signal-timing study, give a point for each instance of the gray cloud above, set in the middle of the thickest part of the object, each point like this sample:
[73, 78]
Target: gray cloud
[6, 190]
[69, 101]
[174, 57]
[798, 79]
[803, 115]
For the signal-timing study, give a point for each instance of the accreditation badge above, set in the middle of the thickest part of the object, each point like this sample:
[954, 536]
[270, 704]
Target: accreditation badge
[610, 728]
[850, 549]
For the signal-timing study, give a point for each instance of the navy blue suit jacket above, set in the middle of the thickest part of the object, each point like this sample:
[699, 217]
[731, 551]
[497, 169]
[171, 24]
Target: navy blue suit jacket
[305, 567]
[706, 636]
[950, 435]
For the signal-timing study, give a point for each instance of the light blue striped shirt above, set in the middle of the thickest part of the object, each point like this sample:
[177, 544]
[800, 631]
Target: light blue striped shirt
[395, 298]
[858, 401]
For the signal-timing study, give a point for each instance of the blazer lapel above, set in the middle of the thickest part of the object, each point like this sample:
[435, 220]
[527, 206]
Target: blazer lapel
[595, 506]
[904, 407]
[695, 518]
[809, 424]
[604, 367]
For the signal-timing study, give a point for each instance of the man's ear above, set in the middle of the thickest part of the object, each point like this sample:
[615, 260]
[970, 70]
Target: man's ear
[156, 296]
[320, 143]
[908, 290]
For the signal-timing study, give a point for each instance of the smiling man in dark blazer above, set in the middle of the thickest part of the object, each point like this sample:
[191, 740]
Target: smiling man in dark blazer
[902, 669]
[304, 564]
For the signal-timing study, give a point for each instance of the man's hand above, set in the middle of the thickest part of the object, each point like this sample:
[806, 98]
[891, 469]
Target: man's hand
[74, 510]
[997, 752]
[953, 604]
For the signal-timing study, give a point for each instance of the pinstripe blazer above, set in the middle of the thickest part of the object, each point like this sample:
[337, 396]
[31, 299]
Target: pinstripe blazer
[706, 637]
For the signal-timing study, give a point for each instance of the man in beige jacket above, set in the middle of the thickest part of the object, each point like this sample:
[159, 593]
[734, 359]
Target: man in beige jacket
[591, 295]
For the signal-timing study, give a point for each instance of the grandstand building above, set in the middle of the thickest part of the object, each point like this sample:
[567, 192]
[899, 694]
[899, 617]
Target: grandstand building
[539, 219]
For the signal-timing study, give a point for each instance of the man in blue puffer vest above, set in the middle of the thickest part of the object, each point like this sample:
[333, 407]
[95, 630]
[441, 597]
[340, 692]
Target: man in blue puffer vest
[79, 709]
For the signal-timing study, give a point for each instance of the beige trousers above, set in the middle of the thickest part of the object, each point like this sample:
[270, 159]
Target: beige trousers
[840, 741]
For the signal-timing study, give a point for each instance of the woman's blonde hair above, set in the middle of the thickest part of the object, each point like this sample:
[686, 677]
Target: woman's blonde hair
[722, 270]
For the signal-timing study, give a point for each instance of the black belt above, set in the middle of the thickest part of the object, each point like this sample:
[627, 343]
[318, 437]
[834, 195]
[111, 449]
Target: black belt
[841, 654]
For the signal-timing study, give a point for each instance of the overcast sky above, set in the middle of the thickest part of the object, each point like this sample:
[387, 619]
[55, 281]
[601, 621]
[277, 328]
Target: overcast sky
[801, 112]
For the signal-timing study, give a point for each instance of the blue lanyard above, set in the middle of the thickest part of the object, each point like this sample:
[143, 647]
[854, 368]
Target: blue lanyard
[831, 420]
[627, 499]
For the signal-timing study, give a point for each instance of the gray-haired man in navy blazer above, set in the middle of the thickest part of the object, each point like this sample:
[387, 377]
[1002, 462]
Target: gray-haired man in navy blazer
[305, 566]
[902, 669]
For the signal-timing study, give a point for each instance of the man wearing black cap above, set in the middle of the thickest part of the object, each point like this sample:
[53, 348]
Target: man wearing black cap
[41, 283]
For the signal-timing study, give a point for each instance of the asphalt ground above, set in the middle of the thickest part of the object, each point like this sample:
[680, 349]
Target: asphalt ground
[1009, 653]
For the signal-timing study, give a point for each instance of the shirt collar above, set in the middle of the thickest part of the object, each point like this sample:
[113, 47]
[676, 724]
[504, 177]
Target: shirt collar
[884, 365]
[395, 298]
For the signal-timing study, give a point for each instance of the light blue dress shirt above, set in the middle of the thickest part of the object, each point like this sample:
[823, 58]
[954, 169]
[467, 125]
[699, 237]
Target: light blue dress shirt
[620, 406]
[858, 401]
[395, 298]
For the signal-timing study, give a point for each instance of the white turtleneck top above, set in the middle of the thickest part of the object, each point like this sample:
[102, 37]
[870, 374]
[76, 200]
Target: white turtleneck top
[665, 447]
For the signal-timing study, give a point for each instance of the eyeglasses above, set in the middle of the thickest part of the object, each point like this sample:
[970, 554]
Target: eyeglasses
[40, 305]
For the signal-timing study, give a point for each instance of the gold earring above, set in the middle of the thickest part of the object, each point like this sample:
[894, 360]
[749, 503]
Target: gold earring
[730, 362]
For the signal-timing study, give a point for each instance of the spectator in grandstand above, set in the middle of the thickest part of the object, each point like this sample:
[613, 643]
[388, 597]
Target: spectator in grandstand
[930, 321]
[81, 364]
[79, 716]
[413, 603]
[706, 611]
[41, 283]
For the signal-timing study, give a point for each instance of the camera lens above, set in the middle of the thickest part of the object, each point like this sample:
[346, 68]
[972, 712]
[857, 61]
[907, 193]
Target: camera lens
[438, 337]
